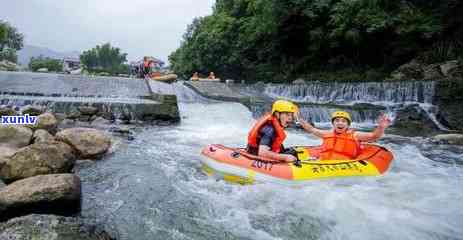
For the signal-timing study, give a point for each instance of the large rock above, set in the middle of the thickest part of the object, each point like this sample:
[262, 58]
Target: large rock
[37, 159]
[7, 111]
[42, 135]
[73, 115]
[454, 139]
[46, 121]
[409, 71]
[49, 194]
[15, 136]
[432, 72]
[88, 110]
[88, 142]
[100, 121]
[50, 227]
[6, 152]
[413, 121]
[448, 98]
[452, 68]
[33, 110]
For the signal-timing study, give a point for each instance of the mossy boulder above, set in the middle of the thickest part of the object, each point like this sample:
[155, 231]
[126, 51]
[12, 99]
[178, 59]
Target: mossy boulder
[87, 142]
[15, 136]
[51, 227]
[37, 159]
[51, 194]
[413, 121]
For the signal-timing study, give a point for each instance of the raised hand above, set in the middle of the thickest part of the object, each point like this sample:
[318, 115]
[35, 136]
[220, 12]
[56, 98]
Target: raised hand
[299, 119]
[384, 121]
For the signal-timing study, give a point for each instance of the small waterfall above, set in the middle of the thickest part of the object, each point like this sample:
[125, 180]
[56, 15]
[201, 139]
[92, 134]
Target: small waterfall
[119, 98]
[119, 108]
[321, 115]
[381, 93]
[392, 95]
[187, 95]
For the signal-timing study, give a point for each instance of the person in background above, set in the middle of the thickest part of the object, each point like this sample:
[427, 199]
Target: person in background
[211, 76]
[147, 64]
[195, 77]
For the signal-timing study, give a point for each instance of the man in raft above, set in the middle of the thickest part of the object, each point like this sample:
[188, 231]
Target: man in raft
[266, 137]
[343, 142]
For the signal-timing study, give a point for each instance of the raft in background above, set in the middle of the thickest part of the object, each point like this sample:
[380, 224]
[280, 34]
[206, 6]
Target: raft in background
[236, 165]
[168, 78]
[205, 79]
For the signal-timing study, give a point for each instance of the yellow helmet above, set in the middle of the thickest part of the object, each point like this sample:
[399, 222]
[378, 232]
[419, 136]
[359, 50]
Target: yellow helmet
[283, 106]
[341, 114]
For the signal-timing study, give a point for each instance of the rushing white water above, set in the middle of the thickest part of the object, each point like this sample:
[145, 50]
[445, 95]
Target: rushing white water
[391, 95]
[153, 188]
[372, 92]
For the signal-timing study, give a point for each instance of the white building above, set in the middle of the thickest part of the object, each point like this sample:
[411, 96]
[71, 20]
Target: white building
[71, 64]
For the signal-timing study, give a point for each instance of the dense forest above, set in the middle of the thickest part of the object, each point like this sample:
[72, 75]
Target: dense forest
[281, 40]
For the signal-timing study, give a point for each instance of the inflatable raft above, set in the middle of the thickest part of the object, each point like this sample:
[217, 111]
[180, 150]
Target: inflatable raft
[236, 165]
[165, 78]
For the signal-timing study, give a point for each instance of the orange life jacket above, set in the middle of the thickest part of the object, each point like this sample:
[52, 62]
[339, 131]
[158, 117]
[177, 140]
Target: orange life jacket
[254, 134]
[339, 146]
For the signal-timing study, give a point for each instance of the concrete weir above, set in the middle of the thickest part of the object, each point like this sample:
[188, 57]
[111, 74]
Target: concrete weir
[124, 98]
[215, 90]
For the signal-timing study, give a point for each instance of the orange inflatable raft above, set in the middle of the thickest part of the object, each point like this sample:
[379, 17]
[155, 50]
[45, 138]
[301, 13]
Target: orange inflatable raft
[236, 165]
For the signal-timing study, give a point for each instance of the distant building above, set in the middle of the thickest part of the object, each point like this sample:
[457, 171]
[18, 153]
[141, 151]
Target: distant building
[70, 64]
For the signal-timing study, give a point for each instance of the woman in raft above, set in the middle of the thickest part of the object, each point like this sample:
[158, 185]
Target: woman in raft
[343, 142]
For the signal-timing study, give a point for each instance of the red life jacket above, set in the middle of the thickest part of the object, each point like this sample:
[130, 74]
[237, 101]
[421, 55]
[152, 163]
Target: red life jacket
[339, 146]
[254, 134]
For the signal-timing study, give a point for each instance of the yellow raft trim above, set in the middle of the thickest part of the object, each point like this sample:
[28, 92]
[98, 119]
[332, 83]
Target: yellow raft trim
[250, 179]
[333, 168]
[330, 168]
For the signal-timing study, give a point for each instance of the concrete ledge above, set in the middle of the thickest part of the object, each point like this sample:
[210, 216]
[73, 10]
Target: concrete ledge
[115, 97]
[216, 90]
[140, 109]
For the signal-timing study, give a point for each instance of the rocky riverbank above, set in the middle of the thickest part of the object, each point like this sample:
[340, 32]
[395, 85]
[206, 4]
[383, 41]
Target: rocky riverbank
[36, 177]
[448, 95]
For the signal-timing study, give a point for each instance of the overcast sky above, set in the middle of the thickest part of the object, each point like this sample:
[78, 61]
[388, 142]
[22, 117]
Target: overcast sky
[138, 27]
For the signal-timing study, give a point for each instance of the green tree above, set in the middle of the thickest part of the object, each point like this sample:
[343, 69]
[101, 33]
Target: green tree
[104, 58]
[279, 40]
[53, 65]
[9, 55]
[10, 41]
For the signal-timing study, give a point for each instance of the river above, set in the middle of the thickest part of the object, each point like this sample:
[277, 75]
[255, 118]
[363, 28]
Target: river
[153, 188]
